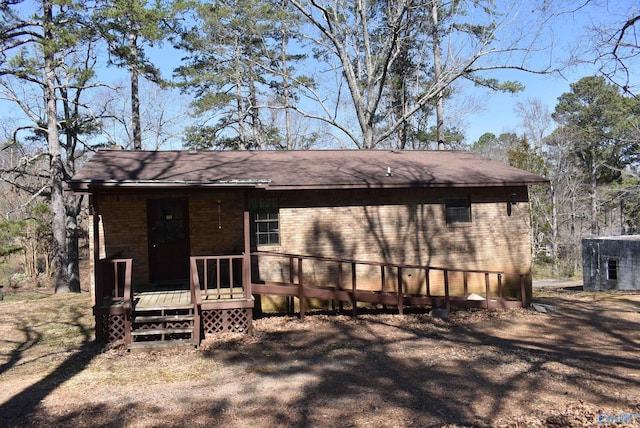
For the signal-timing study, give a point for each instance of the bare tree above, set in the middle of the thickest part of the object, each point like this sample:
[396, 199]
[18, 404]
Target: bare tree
[362, 41]
[161, 111]
[615, 47]
[41, 68]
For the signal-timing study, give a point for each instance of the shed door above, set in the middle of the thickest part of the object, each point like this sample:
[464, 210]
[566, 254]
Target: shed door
[168, 223]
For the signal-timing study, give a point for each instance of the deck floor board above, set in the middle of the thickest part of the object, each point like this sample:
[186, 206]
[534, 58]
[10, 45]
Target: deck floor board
[159, 299]
[164, 298]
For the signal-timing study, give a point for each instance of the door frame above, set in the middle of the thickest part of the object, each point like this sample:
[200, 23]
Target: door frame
[152, 206]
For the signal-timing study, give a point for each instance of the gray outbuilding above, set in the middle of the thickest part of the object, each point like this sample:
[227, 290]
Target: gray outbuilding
[611, 263]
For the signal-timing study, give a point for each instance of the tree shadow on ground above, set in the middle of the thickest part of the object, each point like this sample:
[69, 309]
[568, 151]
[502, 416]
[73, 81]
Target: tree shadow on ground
[476, 368]
[475, 375]
[22, 408]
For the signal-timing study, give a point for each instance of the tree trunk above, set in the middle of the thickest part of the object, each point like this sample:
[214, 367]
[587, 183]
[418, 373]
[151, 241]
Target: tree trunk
[56, 168]
[73, 265]
[437, 73]
[593, 189]
[367, 136]
[242, 137]
[73, 204]
[135, 96]
[285, 88]
[254, 114]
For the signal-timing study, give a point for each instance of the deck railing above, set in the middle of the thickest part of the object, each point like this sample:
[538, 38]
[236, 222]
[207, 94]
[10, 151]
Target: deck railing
[114, 286]
[218, 277]
[385, 295]
[113, 280]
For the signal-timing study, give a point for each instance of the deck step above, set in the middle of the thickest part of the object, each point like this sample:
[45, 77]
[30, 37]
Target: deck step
[165, 344]
[162, 318]
[156, 331]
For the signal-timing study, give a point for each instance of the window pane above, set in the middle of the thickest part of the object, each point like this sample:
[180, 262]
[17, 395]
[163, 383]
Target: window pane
[266, 222]
[457, 210]
[612, 266]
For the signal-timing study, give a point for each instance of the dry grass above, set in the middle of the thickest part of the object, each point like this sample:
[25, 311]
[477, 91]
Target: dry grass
[576, 366]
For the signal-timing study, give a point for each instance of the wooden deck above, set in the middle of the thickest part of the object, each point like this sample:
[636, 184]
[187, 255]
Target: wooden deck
[223, 282]
[221, 294]
[173, 298]
[162, 299]
[345, 286]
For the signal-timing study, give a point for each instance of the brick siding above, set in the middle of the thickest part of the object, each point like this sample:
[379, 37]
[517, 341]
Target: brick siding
[381, 225]
[406, 227]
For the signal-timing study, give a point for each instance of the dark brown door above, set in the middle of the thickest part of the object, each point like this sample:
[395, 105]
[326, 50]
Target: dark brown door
[168, 222]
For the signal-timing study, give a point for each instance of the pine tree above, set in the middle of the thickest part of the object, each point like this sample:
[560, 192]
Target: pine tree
[603, 126]
[128, 26]
[238, 67]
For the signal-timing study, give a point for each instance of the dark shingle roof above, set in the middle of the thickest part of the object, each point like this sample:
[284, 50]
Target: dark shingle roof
[320, 169]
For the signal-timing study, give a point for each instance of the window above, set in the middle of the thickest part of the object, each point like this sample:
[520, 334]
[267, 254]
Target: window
[612, 269]
[266, 227]
[457, 210]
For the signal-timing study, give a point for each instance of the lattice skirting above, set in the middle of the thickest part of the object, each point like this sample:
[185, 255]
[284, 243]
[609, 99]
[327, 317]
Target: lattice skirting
[237, 320]
[110, 327]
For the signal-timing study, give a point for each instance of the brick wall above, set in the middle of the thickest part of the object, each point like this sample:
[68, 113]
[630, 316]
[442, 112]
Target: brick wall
[123, 220]
[216, 223]
[399, 226]
[405, 227]
[215, 226]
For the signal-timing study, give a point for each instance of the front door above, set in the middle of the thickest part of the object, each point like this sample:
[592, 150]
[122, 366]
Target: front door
[168, 223]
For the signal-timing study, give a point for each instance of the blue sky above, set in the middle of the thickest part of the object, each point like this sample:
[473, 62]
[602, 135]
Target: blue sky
[570, 32]
[498, 113]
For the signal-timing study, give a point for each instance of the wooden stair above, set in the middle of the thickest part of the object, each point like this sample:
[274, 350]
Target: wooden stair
[157, 327]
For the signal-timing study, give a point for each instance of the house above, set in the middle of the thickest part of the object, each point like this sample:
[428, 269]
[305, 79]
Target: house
[188, 243]
[611, 263]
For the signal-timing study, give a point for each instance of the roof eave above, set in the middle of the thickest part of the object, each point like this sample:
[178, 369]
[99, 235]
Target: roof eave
[87, 186]
[90, 186]
[405, 185]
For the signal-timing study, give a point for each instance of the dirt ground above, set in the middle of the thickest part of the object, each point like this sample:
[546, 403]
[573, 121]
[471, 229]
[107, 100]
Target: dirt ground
[574, 366]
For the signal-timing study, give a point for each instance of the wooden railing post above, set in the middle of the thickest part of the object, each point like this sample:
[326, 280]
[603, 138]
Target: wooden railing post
[523, 291]
[446, 290]
[338, 287]
[246, 275]
[230, 261]
[354, 286]
[99, 281]
[465, 284]
[488, 289]
[205, 274]
[218, 275]
[290, 307]
[383, 281]
[400, 294]
[98, 292]
[127, 298]
[300, 289]
[246, 261]
[427, 282]
[196, 295]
